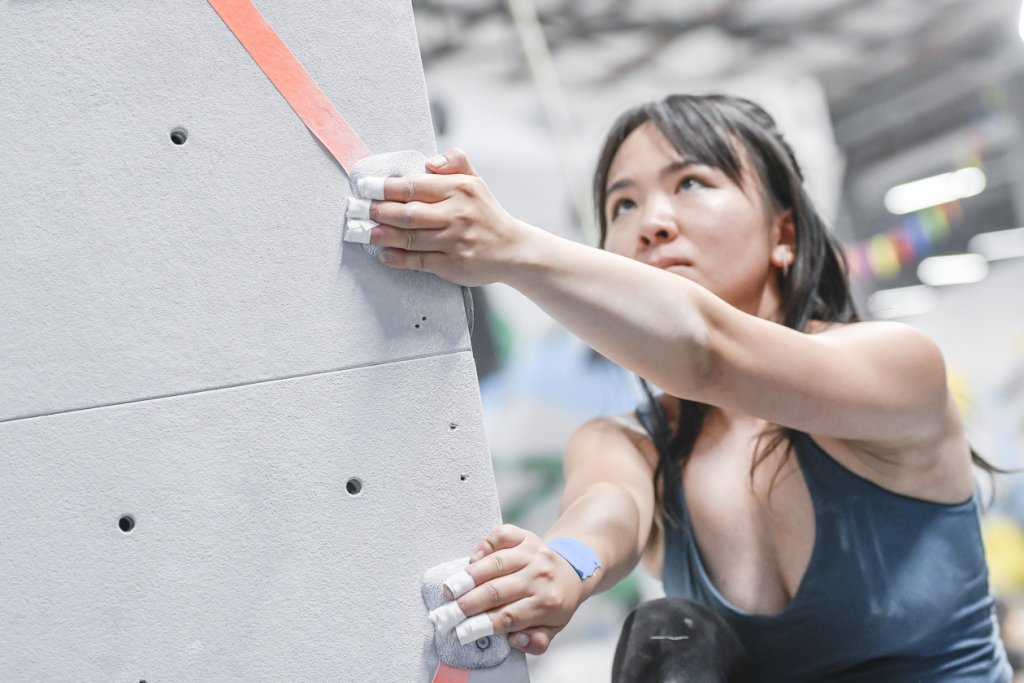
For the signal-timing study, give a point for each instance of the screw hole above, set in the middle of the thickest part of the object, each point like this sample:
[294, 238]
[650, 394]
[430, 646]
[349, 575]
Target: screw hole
[463, 477]
[417, 326]
[126, 523]
[179, 136]
[483, 643]
[452, 426]
[424, 318]
[354, 486]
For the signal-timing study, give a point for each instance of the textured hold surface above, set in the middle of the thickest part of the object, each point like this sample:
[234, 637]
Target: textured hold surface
[474, 655]
[133, 267]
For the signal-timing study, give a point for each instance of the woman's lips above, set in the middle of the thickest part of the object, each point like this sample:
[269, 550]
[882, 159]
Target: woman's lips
[669, 263]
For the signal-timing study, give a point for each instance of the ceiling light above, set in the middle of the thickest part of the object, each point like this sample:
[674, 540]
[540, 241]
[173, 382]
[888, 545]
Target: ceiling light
[952, 270]
[940, 189]
[998, 245]
[902, 302]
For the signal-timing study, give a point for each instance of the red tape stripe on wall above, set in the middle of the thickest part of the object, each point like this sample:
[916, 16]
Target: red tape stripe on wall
[447, 674]
[293, 82]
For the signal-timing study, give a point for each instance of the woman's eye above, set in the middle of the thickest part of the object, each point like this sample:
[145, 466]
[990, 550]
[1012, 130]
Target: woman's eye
[689, 183]
[622, 205]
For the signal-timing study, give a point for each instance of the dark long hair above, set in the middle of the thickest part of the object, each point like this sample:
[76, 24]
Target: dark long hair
[714, 129]
[717, 130]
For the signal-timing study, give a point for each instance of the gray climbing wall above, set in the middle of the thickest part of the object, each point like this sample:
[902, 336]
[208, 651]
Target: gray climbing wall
[229, 444]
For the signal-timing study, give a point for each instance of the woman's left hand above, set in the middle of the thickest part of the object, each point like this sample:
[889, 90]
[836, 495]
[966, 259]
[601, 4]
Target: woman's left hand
[528, 590]
[448, 223]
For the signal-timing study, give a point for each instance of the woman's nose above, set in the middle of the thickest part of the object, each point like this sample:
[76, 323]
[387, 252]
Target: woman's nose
[659, 224]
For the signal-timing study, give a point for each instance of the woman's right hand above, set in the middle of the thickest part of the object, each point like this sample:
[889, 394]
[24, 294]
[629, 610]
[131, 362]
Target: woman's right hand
[448, 223]
[528, 590]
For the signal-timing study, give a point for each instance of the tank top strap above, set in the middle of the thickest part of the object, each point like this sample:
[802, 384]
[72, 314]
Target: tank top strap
[828, 480]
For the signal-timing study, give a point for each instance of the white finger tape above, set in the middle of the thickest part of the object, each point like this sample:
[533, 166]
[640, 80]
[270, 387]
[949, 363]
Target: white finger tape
[359, 230]
[474, 629]
[447, 616]
[371, 188]
[358, 208]
[457, 585]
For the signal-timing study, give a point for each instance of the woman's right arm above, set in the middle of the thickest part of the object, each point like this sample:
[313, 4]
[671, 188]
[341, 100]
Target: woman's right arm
[608, 504]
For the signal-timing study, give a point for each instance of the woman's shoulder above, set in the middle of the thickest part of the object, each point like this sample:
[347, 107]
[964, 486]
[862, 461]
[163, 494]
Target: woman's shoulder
[624, 424]
[874, 332]
[614, 430]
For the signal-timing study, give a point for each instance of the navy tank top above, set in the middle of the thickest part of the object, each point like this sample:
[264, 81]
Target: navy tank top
[896, 588]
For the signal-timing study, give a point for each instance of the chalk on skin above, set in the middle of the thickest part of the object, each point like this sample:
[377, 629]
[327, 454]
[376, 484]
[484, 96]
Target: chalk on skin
[474, 629]
[371, 188]
[458, 584]
[447, 616]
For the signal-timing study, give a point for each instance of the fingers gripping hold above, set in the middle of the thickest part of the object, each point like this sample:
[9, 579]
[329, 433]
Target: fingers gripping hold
[446, 615]
[405, 163]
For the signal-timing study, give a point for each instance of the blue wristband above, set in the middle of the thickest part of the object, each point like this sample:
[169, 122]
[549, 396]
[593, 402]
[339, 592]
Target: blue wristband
[577, 554]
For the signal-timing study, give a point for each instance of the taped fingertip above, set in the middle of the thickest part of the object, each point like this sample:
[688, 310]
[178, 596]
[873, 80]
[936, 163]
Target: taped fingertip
[359, 231]
[458, 584]
[358, 208]
[447, 616]
[370, 188]
[474, 629]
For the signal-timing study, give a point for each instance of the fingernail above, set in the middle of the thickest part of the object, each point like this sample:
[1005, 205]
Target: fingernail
[519, 640]
[440, 161]
[477, 554]
[386, 256]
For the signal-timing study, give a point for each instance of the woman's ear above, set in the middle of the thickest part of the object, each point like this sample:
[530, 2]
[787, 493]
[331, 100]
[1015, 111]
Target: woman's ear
[783, 240]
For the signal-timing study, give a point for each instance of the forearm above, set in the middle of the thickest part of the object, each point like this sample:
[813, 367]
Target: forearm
[647, 320]
[606, 518]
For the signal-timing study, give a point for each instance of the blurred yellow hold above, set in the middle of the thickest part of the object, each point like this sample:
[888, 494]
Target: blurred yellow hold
[882, 256]
[1004, 550]
[960, 387]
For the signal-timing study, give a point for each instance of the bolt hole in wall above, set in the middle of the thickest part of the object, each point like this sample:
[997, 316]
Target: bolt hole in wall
[179, 136]
[463, 477]
[126, 523]
[423, 319]
[354, 486]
